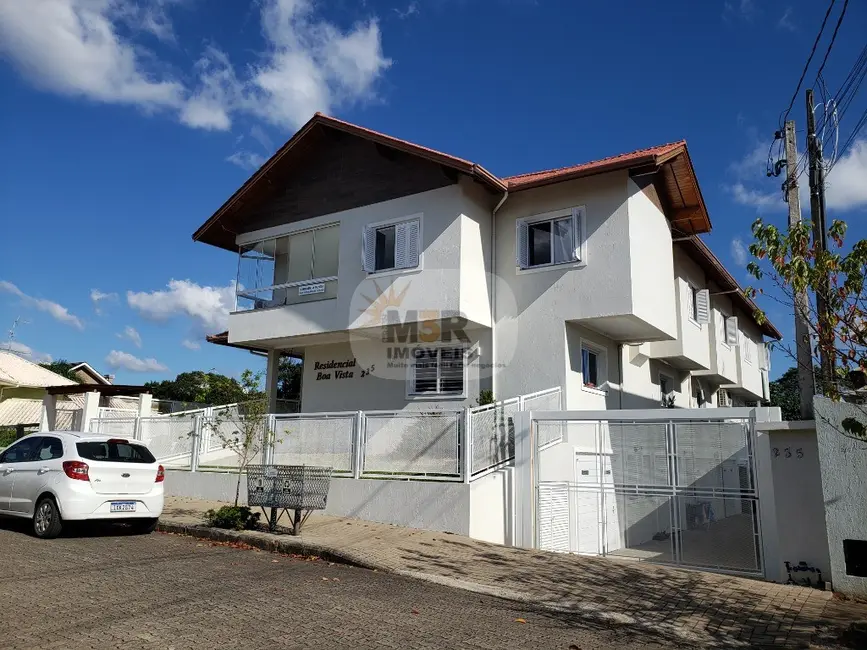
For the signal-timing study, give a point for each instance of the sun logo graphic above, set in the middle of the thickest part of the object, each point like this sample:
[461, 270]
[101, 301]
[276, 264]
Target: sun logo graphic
[410, 326]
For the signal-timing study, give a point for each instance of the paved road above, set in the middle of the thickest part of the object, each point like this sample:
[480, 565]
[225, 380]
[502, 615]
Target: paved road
[112, 590]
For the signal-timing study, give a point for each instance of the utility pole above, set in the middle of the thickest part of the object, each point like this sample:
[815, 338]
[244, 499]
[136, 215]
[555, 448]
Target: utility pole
[817, 214]
[806, 385]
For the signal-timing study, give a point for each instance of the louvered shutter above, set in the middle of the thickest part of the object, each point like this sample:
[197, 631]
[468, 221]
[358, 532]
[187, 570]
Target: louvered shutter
[368, 249]
[522, 245]
[764, 357]
[406, 245]
[702, 307]
[732, 330]
[553, 518]
[577, 235]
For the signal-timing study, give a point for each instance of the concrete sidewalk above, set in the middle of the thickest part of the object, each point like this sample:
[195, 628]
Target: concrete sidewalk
[661, 604]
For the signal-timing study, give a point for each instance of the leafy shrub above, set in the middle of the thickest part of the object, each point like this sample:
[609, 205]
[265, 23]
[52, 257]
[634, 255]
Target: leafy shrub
[7, 436]
[232, 518]
[485, 397]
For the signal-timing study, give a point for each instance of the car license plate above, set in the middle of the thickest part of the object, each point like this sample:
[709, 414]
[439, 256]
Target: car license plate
[122, 506]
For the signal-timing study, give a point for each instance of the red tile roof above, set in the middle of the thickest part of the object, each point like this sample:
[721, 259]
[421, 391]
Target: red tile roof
[640, 156]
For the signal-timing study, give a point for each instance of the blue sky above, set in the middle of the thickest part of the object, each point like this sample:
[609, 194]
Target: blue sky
[124, 125]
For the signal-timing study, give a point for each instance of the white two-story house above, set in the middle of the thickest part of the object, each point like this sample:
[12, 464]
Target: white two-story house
[404, 277]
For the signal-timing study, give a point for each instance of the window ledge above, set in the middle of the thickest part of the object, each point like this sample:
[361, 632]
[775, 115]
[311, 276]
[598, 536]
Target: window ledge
[694, 322]
[551, 267]
[594, 391]
[386, 273]
[433, 397]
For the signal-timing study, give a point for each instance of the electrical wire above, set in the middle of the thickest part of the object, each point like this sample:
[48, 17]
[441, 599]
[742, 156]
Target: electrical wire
[833, 37]
[785, 114]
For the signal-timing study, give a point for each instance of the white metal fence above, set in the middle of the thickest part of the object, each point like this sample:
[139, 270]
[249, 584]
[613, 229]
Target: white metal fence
[412, 443]
[492, 427]
[431, 445]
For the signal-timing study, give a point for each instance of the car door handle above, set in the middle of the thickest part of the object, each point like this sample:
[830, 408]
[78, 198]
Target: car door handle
[43, 470]
[8, 471]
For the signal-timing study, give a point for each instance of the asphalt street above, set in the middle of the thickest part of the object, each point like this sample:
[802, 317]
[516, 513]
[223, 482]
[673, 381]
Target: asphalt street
[110, 589]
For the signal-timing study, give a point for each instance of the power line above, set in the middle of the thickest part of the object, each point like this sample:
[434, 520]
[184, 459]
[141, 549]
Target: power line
[785, 115]
[833, 38]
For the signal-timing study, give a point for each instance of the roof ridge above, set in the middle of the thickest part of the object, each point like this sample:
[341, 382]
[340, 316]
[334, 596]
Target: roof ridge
[597, 160]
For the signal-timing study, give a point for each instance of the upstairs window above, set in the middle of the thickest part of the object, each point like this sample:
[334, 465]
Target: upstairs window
[438, 371]
[590, 367]
[699, 305]
[391, 245]
[550, 239]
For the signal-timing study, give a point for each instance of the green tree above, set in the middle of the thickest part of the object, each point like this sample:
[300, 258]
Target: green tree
[786, 395]
[793, 264]
[289, 378]
[61, 367]
[200, 388]
[244, 430]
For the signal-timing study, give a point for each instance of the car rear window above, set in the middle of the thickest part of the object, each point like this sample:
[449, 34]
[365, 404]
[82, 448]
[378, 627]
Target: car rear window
[114, 452]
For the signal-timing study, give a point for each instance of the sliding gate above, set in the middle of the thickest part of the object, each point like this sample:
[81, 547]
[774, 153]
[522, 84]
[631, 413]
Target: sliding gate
[678, 489]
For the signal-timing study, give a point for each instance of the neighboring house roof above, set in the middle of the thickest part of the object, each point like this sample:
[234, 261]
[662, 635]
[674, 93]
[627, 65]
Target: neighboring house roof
[84, 368]
[19, 372]
[21, 410]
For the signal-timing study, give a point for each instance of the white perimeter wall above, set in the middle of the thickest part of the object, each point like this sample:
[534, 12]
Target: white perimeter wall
[800, 508]
[844, 484]
[415, 504]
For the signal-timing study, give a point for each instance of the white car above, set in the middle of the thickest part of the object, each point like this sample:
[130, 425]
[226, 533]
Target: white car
[55, 477]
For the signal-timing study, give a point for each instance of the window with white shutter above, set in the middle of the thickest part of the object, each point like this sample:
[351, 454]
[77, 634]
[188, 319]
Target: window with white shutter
[701, 300]
[764, 357]
[549, 239]
[438, 371]
[732, 330]
[391, 245]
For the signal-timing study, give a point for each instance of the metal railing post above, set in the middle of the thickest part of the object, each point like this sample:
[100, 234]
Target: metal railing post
[270, 440]
[137, 432]
[196, 444]
[358, 447]
[465, 441]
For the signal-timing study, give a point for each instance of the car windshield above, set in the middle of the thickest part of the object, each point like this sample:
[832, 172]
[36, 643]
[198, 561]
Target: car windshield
[114, 452]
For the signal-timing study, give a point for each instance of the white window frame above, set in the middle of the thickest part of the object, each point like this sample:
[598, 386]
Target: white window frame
[579, 215]
[419, 216]
[410, 374]
[747, 347]
[601, 353]
[722, 331]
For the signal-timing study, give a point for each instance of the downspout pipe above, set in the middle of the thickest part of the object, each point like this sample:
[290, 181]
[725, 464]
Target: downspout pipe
[494, 292]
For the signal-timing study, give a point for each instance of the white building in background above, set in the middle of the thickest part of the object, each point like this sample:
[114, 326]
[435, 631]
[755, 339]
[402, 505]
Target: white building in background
[409, 278]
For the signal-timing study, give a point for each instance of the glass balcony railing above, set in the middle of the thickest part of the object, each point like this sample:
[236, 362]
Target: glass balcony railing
[281, 295]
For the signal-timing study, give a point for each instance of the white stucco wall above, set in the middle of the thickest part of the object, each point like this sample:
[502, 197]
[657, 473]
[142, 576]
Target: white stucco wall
[383, 388]
[492, 508]
[723, 357]
[416, 504]
[800, 508]
[651, 259]
[435, 285]
[843, 462]
[751, 375]
[693, 340]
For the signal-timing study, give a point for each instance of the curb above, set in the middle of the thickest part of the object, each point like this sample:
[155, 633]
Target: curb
[268, 542]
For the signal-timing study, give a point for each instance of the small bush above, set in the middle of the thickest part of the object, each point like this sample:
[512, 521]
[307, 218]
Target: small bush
[7, 436]
[232, 518]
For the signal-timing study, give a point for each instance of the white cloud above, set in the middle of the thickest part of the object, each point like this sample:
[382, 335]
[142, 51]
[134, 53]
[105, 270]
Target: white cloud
[125, 360]
[131, 334]
[73, 47]
[58, 312]
[785, 21]
[259, 135]
[27, 352]
[97, 296]
[411, 10]
[87, 48]
[208, 307]
[191, 344]
[246, 160]
[738, 251]
[747, 196]
[744, 9]
[846, 184]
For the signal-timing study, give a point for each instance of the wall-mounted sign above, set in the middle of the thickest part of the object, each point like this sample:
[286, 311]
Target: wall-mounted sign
[308, 289]
[337, 366]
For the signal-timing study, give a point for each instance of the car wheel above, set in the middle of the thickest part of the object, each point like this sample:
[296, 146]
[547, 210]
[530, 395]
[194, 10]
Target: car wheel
[144, 526]
[46, 519]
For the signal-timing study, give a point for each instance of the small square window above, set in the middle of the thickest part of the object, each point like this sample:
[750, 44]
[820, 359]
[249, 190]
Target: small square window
[547, 241]
[438, 371]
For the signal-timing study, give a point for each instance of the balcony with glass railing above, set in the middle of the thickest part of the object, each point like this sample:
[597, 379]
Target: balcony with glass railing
[296, 268]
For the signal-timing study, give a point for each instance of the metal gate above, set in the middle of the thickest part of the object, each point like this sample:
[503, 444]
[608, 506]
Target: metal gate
[677, 490]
